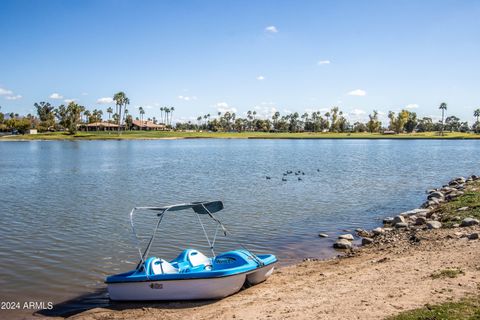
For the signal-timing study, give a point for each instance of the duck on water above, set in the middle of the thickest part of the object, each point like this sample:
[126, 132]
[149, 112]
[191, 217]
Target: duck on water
[192, 275]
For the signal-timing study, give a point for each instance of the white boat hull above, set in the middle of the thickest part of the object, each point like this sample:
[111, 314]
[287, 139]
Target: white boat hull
[191, 289]
[260, 275]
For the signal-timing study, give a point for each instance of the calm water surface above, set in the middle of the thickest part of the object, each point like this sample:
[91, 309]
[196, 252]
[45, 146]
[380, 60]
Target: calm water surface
[64, 205]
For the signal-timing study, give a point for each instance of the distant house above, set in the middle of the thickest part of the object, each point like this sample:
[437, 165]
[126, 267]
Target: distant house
[389, 132]
[32, 131]
[95, 126]
[146, 125]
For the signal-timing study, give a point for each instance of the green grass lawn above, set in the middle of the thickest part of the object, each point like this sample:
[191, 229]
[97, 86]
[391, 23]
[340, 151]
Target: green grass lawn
[465, 309]
[470, 200]
[105, 135]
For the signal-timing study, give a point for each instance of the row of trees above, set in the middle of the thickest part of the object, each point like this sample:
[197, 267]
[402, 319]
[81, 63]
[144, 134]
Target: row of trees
[69, 117]
[331, 121]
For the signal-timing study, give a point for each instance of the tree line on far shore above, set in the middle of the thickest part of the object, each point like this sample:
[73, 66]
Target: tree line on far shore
[70, 117]
[331, 121]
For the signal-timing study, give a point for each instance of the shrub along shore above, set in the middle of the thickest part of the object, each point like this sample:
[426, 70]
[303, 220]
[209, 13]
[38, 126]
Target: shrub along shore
[422, 264]
[154, 135]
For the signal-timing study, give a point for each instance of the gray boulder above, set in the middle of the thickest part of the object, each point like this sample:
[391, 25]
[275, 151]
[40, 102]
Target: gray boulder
[342, 244]
[467, 222]
[418, 212]
[388, 220]
[424, 213]
[398, 219]
[347, 236]
[460, 179]
[473, 236]
[420, 221]
[432, 224]
[436, 194]
[378, 231]
[401, 225]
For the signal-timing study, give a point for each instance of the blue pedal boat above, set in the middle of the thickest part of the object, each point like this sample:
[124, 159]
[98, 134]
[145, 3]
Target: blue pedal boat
[192, 275]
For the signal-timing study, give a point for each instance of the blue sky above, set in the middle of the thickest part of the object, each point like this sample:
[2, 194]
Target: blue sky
[205, 56]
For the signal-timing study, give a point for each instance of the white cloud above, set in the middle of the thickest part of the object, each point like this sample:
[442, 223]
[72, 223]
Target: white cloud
[13, 97]
[224, 107]
[260, 78]
[264, 112]
[5, 92]
[105, 100]
[358, 93]
[56, 95]
[323, 62]
[69, 100]
[411, 106]
[187, 98]
[267, 103]
[315, 109]
[84, 93]
[357, 112]
[186, 119]
[271, 29]
[8, 94]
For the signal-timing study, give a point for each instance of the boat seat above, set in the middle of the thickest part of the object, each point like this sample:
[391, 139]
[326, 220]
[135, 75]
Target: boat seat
[160, 266]
[196, 258]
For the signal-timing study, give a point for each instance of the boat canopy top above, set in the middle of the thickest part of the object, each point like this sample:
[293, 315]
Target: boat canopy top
[200, 207]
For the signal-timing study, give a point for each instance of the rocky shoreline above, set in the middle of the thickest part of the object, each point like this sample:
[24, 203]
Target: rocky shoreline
[429, 216]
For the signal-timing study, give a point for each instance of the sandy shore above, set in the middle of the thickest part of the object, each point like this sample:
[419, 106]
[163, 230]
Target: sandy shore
[370, 283]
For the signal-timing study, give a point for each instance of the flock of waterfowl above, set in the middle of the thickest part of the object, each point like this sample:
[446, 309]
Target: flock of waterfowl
[297, 173]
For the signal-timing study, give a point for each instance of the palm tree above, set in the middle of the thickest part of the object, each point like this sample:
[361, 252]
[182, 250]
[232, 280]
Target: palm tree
[87, 115]
[476, 114]
[167, 111]
[443, 107]
[142, 112]
[109, 111]
[161, 114]
[327, 115]
[121, 100]
[199, 119]
[171, 110]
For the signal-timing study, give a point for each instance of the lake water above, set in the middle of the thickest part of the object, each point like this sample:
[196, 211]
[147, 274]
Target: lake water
[64, 205]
